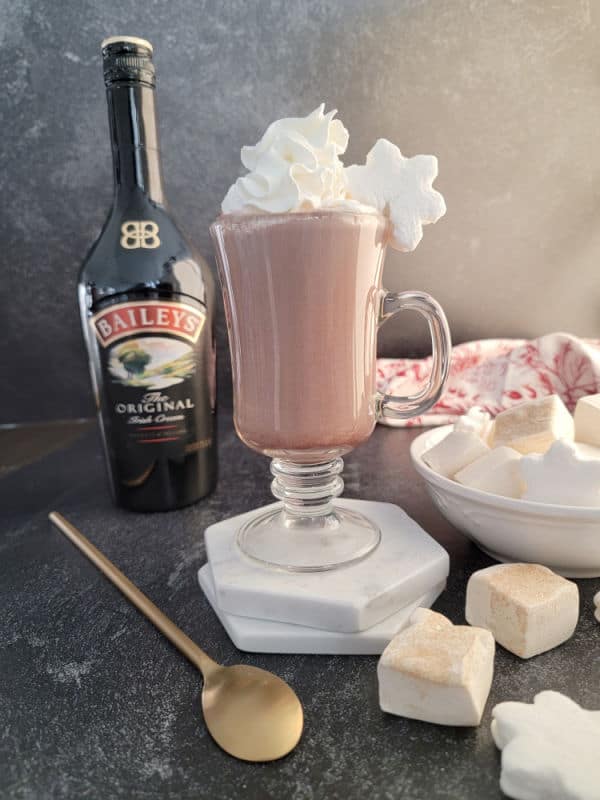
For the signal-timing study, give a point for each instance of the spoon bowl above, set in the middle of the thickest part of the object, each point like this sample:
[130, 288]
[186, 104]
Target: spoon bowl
[251, 713]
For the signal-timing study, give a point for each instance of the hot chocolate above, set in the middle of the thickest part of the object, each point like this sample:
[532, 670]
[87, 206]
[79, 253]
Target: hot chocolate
[302, 294]
[300, 247]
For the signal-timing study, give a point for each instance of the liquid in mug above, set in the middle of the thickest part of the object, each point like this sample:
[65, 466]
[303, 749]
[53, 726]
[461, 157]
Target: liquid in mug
[302, 303]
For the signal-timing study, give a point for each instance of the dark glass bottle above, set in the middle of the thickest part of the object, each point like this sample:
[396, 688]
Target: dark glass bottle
[147, 306]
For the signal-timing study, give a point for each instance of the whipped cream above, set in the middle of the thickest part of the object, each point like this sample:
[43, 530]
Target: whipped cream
[296, 166]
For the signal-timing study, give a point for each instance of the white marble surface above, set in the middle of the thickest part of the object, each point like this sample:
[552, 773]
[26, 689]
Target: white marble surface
[406, 565]
[264, 636]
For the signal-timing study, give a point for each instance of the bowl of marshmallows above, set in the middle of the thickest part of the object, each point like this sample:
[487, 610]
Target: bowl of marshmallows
[523, 487]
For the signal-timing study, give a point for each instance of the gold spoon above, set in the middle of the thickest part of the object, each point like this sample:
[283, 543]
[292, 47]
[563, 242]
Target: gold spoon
[251, 713]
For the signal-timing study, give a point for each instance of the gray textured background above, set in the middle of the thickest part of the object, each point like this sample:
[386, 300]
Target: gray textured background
[507, 94]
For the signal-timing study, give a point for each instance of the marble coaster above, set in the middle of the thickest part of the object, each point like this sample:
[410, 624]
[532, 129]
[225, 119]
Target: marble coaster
[260, 636]
[407, 563]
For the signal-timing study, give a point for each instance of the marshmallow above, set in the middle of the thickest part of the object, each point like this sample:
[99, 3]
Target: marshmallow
[550, 748]
[528, 608]
[597, 606]
[587, 419]
[496, 472]
[399, 187]
[532, 426]
[561, 476]
[587, 450]
[477, 421]
[454, 452]
[436, 671]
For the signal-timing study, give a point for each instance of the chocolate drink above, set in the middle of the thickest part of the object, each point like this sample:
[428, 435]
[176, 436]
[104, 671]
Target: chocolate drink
[302, 302]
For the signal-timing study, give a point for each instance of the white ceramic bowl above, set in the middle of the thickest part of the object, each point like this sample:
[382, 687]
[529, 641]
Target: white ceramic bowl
[564, 538]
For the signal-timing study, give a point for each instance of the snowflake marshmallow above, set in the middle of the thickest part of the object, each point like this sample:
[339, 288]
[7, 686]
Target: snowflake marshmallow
[562, 476]
[399, 187]
[549, 748]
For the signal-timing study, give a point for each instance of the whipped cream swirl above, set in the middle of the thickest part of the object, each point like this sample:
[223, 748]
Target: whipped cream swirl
[294, 167]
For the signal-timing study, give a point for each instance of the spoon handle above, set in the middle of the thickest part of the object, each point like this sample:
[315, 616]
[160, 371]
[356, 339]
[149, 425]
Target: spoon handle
[174, 634]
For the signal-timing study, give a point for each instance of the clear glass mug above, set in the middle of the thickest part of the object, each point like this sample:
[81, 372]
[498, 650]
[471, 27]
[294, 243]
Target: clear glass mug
[303, 302]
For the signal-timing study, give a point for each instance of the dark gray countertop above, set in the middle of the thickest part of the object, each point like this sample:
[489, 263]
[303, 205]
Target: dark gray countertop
[94, 703]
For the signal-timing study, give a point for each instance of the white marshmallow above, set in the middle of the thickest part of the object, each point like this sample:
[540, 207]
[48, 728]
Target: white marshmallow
[436, 671]
[549, 748]
[496, 472]
[597, 606]
[532, 426]
[399, 187]
[454, 452]
[561, 476]
[477, 421]
[587, 419]
[528, 608]
[587, 450]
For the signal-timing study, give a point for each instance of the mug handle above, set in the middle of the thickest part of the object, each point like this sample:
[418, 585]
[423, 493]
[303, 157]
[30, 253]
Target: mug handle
[391, 407]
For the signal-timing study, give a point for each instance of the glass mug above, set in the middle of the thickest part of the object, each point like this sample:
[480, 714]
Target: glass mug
[303, 302]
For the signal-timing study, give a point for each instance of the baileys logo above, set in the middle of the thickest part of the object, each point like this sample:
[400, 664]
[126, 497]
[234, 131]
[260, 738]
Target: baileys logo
[139, 233]
[150, 316]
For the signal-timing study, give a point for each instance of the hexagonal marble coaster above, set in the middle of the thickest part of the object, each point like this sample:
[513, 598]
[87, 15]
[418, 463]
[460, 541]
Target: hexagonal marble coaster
[406, 564]
[260, 636]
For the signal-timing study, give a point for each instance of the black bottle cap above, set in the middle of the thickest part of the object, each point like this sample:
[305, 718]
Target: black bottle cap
[127, 59]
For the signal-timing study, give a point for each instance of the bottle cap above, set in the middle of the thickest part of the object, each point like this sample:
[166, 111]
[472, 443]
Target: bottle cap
[127, 59]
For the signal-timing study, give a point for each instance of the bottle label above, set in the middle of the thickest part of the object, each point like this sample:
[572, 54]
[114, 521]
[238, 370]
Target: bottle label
[151, 354]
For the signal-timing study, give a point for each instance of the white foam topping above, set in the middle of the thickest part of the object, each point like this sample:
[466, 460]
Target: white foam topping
[296, 166]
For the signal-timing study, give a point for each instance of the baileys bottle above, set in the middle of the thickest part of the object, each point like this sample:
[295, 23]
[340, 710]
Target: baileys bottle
[147, 310]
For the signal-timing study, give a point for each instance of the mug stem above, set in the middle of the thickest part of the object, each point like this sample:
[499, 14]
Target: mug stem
[307, 490]
[307, 532]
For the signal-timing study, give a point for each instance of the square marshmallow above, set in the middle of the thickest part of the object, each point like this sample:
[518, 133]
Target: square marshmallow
[454, 452]
[588, 451]
[532, 426]
[496, 472]
[528, 608]
[436, 671]
[587, 419]
[477, 421]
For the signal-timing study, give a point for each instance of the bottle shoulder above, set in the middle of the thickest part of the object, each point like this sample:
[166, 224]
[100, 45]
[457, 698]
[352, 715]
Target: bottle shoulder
[140, 247]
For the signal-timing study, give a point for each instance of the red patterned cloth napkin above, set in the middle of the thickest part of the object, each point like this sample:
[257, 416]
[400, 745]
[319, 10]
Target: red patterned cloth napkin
[498, 373]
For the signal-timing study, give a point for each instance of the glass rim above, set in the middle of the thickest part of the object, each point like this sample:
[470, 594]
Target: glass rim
[252, 216]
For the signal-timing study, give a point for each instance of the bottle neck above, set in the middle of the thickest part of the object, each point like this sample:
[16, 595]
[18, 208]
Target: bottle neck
[134, 137]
